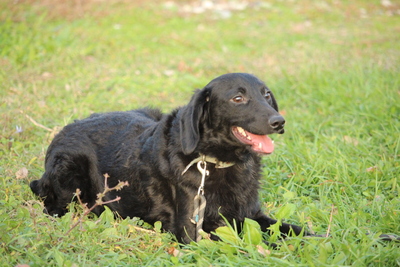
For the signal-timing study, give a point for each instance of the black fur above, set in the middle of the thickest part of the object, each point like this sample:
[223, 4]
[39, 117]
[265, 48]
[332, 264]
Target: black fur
[150, 150]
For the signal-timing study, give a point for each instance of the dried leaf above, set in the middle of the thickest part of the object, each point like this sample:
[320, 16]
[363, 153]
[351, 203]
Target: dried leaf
[372, 169]
[182, 66]
[350, 140]
[310, 226]
[47, 74]
[175, 252]
[22, 173]
[291, 247]
[263, 251]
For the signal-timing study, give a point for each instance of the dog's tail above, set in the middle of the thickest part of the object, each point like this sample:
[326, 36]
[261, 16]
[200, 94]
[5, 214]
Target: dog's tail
[389, 237]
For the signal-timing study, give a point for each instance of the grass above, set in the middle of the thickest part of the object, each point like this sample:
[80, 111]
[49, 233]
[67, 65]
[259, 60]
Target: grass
[333, 66]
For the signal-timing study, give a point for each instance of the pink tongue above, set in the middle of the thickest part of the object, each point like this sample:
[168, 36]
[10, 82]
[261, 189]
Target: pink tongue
[261, 143]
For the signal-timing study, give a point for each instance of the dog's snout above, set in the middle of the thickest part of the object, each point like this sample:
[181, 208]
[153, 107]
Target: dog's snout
[277, 123]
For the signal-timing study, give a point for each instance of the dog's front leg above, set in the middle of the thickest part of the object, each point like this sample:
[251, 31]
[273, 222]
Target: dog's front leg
[187, 233]
[286, 229]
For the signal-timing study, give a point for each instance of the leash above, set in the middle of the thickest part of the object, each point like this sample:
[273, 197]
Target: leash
[200, 201]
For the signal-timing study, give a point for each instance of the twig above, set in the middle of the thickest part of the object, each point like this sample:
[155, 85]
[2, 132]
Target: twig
[36, 123]
[145, 230]
[330, 222]
[98, 202]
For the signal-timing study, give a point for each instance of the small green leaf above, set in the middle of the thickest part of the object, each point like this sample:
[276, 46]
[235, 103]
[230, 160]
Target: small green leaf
[288, 195]
[227, 234]
[157, 226]
[90, 225]
[109, 232]
[325, 249]
[207, 243]
[107, 215]
[228, 249]
[23, 213]
[122, 256]
[58, 257]
[275, 232]
[285, 211]
[175, 260]
[340, 258]
[251, 232]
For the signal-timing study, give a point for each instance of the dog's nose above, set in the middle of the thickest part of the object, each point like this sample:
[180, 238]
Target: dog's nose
[277, 122]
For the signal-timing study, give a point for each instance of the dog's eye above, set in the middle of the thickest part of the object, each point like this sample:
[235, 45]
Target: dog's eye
[238, 99]
[267, 95]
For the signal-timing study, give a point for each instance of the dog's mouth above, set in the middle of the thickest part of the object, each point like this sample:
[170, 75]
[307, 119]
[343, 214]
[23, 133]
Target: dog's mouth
[259, 143]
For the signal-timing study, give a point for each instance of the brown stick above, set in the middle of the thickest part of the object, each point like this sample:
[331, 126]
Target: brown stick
[98, 202]
[36, 123]
[330, 222]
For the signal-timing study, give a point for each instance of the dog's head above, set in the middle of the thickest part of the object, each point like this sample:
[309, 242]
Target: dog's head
[237, 109]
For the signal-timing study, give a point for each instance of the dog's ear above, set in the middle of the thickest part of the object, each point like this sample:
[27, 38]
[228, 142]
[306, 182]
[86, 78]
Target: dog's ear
[191, 118]
[34, 185]
[274, 103]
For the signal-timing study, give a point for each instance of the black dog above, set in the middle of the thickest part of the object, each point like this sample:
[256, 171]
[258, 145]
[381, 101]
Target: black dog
[225, 124]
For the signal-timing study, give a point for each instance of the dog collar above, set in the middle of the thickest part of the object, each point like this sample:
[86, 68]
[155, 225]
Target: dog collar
[218, 164]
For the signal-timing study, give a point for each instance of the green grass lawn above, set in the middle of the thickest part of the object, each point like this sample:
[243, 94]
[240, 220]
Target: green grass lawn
[334, 67]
